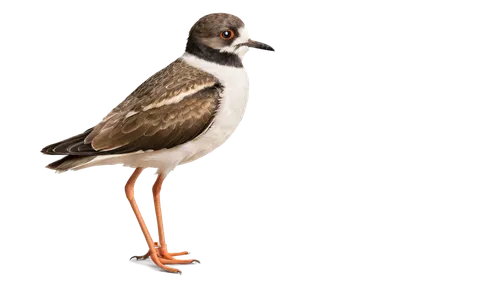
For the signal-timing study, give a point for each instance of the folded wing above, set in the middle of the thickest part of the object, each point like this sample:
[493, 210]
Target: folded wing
[174, 106]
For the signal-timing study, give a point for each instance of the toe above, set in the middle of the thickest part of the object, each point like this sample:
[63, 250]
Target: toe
[194, 263]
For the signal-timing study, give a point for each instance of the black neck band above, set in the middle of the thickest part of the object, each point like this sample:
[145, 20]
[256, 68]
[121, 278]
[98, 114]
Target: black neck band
[213, 55]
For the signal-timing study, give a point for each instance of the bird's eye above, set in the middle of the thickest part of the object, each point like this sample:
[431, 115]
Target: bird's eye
[227, 35]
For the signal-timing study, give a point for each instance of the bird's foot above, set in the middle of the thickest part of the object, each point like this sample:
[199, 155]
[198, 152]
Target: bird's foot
[166, 253]
[164, 257]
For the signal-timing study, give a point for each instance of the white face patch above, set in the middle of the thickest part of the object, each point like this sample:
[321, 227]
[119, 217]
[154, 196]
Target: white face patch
[242, 38]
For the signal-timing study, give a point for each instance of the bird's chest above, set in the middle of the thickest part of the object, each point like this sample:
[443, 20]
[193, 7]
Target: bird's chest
[232, 109]
[230, 112]
[232, 106]
[233, 103]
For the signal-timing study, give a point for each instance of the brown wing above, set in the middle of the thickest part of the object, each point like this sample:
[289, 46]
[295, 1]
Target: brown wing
[158, 128]
[172, 107]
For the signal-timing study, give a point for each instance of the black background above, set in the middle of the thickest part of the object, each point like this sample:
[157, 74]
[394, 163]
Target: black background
[230, 209]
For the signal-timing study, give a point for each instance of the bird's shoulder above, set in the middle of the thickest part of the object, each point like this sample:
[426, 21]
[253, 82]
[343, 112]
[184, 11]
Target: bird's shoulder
[178, 77]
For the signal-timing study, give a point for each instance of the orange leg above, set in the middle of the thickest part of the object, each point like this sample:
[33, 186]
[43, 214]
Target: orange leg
[158, 252]
[129, 191]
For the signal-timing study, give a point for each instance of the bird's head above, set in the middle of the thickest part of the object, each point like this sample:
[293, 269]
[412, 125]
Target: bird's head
[221, 33]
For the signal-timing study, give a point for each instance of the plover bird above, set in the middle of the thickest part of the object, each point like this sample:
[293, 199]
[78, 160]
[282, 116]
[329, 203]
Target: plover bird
[178, 115]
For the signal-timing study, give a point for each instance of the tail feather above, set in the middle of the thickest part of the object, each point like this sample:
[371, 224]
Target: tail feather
[63, 147]
[61, 157]
[69, 162]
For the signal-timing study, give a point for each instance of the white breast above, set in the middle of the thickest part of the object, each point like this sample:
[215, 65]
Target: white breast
[233, 103]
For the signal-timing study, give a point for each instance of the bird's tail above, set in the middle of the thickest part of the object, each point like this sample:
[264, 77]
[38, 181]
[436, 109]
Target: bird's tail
[59, 154]
[70, 146]
[68, 163]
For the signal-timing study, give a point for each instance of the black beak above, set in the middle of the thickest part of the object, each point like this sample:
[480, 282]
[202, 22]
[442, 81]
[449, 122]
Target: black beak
[258, 45]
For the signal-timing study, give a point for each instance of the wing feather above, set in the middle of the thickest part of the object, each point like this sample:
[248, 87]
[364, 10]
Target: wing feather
[172, 107]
